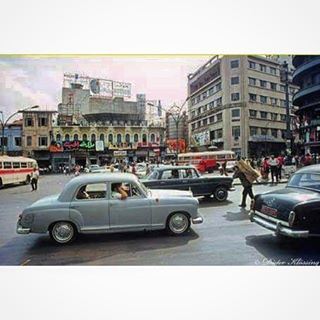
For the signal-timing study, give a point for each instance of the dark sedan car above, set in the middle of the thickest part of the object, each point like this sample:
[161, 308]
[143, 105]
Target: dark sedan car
[293, 211]
[188, 178]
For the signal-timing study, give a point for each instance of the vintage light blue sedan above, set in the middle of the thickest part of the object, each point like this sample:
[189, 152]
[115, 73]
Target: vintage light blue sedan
[89, 204]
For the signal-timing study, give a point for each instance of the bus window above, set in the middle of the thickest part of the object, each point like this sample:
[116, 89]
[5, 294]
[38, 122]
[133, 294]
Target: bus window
[23, 164]
[16, 165]
[7, 165]
[0, 165]
[29, 164]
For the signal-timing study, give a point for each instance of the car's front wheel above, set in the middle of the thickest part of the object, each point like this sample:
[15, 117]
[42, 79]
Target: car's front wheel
[220, 194]
[63, 232]
[178, 223]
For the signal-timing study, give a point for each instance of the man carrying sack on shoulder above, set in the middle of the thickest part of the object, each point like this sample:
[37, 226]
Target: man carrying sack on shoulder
[247, 175]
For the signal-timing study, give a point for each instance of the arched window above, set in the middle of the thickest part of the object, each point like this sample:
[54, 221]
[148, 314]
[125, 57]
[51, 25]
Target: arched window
[152, 138]
[84, 137]
[66, 137]
[110, 138]
[144, 138]
[75, 137]
[127, 138]
[119, 138]
[136, 137]
[58, 137]
[101, 137]
[93, 137]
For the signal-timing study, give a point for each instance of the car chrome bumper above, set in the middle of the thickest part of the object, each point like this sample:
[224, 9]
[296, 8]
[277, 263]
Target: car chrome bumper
[22, 230]
[277, 227]
[197, 220]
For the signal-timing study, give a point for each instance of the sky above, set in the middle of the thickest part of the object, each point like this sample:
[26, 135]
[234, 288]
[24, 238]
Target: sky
[29, 81]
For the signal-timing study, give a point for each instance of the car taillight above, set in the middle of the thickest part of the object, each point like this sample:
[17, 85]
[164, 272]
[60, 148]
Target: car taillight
[292, 216]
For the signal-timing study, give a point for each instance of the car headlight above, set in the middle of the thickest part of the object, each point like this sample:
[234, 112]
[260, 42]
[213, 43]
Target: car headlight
[292, 216]
[27, 220]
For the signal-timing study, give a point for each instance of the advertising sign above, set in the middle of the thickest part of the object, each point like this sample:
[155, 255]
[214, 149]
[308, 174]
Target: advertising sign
[119, 153]
[172, 145]
[100, 87]
[99, 145]
[202, 138]
[121, 89]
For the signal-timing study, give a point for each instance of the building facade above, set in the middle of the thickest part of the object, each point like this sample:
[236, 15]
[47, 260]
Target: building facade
[307, 77]
[37, 133]
[12, 139]
[239, 103]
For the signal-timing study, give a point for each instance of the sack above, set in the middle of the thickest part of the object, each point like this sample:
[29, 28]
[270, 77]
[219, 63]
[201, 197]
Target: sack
[250, 173]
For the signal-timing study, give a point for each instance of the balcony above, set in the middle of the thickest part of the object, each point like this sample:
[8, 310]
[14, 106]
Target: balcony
[304, 69]
[299, 98]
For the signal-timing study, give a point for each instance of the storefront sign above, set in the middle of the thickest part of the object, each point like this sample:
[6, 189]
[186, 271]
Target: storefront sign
[172, 145]
[71, 145]
[99, 145]
[120, 153]
[56, 147]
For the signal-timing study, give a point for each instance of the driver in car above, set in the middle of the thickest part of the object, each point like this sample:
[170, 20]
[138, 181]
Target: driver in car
[118, 191]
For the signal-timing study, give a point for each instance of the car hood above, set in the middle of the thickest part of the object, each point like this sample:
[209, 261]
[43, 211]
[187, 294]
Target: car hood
[283, 201]
[45, 201]
[155, 193]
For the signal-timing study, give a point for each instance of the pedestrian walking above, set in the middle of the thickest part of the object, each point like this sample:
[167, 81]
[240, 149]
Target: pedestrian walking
[274, 164]
[246, 184]
[34, 179]
[265, 168]
[280, 165]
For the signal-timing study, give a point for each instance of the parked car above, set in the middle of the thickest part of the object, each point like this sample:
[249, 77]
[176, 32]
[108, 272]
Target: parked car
[87, 205]
[293, 211]
[188, 178]
[92, 168]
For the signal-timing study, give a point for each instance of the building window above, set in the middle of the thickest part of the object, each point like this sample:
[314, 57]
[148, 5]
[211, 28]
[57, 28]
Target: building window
[58, 137]
[264, 131]
[43, 141]
[144, 138]
[263, 115]
[211, 105]
[205, 108]
[218, 87]
[193, 126]
[211, 91]
[234, 64]
[42, 122]
[236, 132]
[84, 137]
[219, 133]
[29, 141]
[101, 138]
[274, 133]
[263, 83]
[283, 117]
[235, 96]
[204, 95]
[219, 117]
[252, 65]
[205, 122]
[93, 137]
[28, 122]
[283, 103]
[75, 137]
[136, 137]
[252, 97]
[127, 138]
[252, 81]
[253, 113]
[4, 141]
[199, 110]
[211, 119]
[282, 88]
[274, 116]
[235, 113]
[274, 101]
[234, 80]
[253, 131]
[17, 141]
[263, 68]
[273, 86]
[66, 137]
[110, 138]
[263, 99]
[273, 70]
[193, 114]
[219, 101]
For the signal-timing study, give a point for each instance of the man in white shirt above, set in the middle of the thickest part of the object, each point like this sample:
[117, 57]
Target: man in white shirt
[274, 164]
[34, 179]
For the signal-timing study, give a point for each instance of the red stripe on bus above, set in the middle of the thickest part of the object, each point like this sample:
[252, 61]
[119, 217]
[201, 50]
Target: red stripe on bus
[11, 171]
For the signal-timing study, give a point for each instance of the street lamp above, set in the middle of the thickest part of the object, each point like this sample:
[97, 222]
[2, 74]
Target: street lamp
[4, 123]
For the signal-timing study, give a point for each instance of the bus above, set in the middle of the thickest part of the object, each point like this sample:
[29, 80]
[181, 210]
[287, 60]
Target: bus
[16, 169]
[206, 161]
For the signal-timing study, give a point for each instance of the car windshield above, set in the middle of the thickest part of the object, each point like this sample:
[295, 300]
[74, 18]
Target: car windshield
[143, 187]
[152, 176]
[305, 180]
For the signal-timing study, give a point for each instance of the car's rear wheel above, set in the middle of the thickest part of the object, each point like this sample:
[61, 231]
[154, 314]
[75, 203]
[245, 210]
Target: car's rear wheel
[63, 232]
[178, 223]
[221, 194]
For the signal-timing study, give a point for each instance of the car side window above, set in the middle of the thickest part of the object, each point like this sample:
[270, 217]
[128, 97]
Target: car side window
[92, 191]
[166, 175]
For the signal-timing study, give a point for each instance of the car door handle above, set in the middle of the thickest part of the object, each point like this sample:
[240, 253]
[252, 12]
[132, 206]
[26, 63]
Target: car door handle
[162, 182]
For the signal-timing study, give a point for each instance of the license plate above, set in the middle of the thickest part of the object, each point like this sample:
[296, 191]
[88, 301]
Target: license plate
[269, 211]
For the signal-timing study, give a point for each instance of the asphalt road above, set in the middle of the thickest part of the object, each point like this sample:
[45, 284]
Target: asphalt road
[226, 237]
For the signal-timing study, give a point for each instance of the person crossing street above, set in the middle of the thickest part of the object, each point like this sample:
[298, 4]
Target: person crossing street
[246, 184]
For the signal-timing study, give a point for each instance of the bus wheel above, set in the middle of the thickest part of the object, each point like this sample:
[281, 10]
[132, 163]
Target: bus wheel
[27, 181]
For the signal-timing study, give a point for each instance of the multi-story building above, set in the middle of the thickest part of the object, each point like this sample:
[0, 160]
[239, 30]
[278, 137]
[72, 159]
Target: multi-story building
[12, 138]
[37, 133]
[239, 103]
[97, 126]
[307, 77]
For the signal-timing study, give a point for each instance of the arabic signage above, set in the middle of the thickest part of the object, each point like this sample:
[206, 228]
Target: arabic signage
[97, 86]
[72, 145]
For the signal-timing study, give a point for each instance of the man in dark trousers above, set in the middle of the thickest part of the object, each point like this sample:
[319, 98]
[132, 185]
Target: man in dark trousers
[247, 186]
